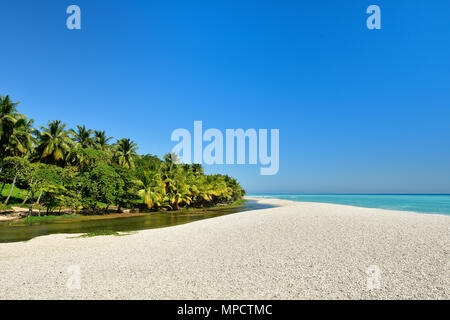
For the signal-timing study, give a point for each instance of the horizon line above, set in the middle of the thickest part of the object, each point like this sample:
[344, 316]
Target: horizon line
[380, 194]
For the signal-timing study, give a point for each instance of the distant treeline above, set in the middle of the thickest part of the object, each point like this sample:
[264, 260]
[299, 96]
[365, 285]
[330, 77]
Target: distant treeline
[82, 170]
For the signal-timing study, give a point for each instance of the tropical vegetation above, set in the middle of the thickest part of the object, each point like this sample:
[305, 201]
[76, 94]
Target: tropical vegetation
[82, 170]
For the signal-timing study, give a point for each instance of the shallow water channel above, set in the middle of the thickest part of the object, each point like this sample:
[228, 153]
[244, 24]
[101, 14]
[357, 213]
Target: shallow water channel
[15, 231]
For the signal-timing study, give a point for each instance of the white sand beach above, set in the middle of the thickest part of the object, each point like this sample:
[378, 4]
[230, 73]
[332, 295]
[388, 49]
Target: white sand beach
[294, 251]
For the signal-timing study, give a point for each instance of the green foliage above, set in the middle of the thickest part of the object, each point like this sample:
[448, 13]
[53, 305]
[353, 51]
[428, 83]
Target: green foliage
[127, 196]
[53, 196]
[18, 195]
[100, 183]
[79, 170]
[87, 157]
[104, 233]
[15, 168]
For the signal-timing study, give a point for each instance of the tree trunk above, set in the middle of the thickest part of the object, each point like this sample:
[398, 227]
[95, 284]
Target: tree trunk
[26, 198]
[30, 212]
[3, 186]
[29, 193]
[11, 190]
[39, 197]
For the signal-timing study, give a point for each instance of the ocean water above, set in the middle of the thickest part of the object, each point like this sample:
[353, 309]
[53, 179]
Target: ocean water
[423, 203]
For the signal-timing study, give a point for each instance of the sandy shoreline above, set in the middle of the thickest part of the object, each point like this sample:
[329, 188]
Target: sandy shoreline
[294, 251]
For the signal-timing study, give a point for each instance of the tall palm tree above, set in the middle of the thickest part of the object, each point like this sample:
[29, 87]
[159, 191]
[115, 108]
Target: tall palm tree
[21, 140]
[101, 140]
[54, 142]
[125, 152]
[82, 137]
[8, 114]
[172, 158]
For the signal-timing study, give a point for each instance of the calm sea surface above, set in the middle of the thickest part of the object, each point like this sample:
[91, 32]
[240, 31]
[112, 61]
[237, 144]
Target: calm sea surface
[405, 202]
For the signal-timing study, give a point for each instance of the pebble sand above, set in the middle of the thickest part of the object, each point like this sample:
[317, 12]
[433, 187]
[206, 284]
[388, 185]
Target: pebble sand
[294, 251]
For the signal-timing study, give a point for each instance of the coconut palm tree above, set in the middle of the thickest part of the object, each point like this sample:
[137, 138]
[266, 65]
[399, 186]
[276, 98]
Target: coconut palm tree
[125, 152]
[151, 189]
[82, 137]
[54, 142]
[176, 188]
[172, 158]
[204, 192]
[101, 140]
[21, 140]
[8, 114]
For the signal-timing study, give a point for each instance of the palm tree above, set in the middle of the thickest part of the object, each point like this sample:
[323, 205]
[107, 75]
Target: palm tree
[172, 158]
[21, 140]
[8, 114]
[54, 142]
[101, 140]
[82, 137]
[177, 190]
[125, 152]
[202, 190]
[151, 189]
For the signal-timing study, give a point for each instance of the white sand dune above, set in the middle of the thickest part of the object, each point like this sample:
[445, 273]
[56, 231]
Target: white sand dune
[294, 251]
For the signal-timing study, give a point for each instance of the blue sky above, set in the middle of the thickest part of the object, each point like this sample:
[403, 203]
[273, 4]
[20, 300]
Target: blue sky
[359, 111]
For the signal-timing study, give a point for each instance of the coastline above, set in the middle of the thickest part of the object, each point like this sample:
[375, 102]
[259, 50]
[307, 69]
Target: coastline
[295, 250]
[425, 207]
[390, 211]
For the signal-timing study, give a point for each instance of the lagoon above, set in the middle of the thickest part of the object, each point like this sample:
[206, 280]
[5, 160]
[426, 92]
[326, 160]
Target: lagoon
[15, 231]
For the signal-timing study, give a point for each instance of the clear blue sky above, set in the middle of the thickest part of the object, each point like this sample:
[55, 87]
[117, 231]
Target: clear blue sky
[359, 111]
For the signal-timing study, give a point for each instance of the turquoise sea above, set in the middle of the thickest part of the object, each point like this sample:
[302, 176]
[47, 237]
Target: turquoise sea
[423, 203]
